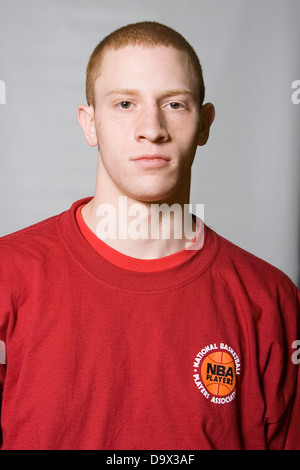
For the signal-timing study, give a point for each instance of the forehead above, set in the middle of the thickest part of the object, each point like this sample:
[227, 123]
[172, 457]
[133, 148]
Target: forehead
[145, 68]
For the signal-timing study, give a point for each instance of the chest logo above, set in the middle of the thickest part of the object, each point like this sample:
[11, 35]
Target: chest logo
[216, 368]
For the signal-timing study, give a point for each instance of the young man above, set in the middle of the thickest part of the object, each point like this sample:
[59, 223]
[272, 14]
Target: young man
[119, 337]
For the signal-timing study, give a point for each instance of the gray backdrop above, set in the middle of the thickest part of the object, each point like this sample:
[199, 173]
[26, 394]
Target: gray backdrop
[248, 174]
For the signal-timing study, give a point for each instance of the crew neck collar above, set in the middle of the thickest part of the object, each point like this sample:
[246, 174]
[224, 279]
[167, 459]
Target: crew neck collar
[136, 264]
[120, 271]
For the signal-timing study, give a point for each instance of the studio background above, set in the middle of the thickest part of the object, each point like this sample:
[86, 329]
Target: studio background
[247, 176]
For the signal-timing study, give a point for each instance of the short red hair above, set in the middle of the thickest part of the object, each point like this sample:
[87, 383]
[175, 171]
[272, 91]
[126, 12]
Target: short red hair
[146, 34]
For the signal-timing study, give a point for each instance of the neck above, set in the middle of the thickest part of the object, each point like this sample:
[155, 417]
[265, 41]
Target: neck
[138, 228]
[141, 229]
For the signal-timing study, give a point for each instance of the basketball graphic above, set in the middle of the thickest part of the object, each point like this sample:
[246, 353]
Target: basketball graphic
[218, 373]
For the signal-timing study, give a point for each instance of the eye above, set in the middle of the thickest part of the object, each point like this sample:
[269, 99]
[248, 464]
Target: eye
[124, 105]
[175, 105]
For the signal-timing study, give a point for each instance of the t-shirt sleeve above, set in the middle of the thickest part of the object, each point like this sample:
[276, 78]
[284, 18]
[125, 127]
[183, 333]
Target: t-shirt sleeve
[283, 393]
[293, 433]
[5, 308]
[2, 372]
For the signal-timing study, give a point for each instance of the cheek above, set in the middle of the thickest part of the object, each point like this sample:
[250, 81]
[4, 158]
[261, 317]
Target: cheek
[111, 149]
[113, 132]
[185, 127]
[187, 138]
[106, 136]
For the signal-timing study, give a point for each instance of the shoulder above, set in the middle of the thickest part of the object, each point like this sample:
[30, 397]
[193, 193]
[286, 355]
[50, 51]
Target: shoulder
[253, 274]
[41, 239]
[29, 239]
[28, 251]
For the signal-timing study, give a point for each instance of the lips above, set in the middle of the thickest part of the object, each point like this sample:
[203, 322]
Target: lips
[152, 161]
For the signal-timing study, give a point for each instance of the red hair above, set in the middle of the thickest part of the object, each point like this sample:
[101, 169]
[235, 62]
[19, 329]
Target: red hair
[146, 34]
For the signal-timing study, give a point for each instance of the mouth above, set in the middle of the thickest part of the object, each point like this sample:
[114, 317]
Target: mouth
[152, 161]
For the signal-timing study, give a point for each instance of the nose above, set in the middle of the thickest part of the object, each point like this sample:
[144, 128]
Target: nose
[151, 126]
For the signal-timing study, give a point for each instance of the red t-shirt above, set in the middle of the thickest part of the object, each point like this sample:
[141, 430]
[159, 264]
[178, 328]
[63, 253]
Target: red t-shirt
[107, 352]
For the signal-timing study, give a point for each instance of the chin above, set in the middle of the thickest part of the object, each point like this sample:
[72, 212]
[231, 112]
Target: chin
[153, 193]
[149, 196]
[154, 198]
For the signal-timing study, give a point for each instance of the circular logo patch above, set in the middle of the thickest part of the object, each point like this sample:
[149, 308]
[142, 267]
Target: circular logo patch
[216, 367]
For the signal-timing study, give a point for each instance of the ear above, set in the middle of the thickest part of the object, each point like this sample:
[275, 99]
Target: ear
[207, 116]
[86, 118]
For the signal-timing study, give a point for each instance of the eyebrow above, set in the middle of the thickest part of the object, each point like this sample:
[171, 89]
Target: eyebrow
[165, 94]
